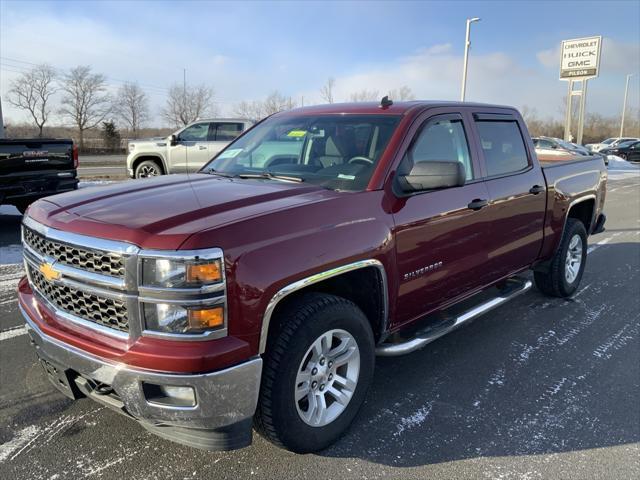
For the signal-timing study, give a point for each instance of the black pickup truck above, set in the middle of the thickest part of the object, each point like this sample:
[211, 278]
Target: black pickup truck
[34, 168]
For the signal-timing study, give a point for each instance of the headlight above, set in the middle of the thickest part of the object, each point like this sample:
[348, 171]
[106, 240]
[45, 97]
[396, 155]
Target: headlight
[180, 273]
[172, 318]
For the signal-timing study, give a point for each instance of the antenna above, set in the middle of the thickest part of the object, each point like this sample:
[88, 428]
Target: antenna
[386, 102]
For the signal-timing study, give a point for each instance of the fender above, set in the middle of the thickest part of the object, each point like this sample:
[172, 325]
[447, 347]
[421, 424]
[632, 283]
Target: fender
[319, 277]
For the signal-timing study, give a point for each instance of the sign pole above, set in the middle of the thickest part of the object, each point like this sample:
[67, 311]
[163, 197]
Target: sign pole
[583, 102]
[567, 115]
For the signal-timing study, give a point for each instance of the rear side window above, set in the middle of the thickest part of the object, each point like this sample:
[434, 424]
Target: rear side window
[503, 146]
[441, 140]
[225, 132]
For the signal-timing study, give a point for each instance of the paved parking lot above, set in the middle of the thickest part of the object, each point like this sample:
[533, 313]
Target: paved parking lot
[540, 388]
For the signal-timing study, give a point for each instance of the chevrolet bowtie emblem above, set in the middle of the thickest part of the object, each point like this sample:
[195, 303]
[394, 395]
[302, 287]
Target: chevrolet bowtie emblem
[49, 273]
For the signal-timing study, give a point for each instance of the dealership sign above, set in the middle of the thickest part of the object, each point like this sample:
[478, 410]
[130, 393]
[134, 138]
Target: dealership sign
[580, 58]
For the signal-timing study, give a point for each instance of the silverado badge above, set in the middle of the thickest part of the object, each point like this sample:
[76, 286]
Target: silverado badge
[49, 272]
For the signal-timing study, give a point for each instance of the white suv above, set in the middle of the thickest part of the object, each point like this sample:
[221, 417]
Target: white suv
[186, 150]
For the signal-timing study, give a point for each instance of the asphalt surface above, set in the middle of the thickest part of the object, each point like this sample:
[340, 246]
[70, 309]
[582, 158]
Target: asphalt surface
[539, 388]
[92, 166]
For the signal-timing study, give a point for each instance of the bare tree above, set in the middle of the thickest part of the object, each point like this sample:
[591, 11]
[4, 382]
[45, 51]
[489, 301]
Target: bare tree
[32, 91]
[365, 96]
[404, 93]
[326, 92]
[132, 106]
[187, 104]
[257, 110]
[251, 110]
[85, 101]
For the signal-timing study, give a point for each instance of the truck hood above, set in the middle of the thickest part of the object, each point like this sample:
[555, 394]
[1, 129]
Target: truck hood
[162, 212]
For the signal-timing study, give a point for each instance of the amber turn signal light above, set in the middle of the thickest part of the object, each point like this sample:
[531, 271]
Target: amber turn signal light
[206, 318]
[204, 272]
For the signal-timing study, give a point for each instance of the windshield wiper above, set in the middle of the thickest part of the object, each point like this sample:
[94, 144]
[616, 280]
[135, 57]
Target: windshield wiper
[220, 174]
[270, 176]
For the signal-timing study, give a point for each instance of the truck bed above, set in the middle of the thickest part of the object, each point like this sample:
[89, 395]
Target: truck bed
[570, 182]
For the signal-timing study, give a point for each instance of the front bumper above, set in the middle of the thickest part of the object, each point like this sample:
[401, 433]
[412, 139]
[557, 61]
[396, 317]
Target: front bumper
[225, 401]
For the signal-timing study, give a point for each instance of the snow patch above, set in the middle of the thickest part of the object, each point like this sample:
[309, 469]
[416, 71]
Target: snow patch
[23, 438]
[414, 420]
[617, 341]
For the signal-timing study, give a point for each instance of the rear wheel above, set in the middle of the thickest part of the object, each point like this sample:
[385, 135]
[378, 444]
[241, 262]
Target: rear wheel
[316, 373]
[567, 265]
[148, 168]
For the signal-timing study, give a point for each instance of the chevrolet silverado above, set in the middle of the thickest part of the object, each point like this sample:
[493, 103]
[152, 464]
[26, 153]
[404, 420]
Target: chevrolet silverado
[258, 291]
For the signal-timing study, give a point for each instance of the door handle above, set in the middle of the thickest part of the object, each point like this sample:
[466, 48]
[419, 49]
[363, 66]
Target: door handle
[202, 147]
[477, 204]
[536, 189]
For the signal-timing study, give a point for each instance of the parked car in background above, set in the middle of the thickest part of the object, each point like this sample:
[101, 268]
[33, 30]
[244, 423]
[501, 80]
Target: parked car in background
[34, 168]
[259, 290]
[186, 150]
[626, 150]
[549, 149]
[609, 143]
[580, 148]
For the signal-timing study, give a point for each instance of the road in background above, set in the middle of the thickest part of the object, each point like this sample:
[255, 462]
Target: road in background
[99, 166]
[540, 388]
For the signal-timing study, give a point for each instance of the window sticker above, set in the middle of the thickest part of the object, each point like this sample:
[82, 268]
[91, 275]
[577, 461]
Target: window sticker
[342, 176]
[232, 153]
[297, 133]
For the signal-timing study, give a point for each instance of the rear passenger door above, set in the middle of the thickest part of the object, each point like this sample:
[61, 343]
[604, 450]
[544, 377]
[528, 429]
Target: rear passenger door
[517, 193]
[439, 236]
[221, 134]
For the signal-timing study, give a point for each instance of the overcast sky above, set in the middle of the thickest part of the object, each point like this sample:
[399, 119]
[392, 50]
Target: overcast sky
[245, 50]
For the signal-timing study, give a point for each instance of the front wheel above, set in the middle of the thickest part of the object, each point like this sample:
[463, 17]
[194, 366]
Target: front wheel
[567, 265]
[316, 373]
[147, 169]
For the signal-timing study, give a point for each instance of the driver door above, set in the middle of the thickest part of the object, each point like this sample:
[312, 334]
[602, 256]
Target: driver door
[192, 150]
[440, 234]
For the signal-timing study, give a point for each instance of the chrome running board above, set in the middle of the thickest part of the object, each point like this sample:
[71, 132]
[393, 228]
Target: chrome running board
[514, 286]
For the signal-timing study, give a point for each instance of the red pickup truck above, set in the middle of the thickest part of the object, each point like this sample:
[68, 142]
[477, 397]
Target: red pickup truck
[259, 290]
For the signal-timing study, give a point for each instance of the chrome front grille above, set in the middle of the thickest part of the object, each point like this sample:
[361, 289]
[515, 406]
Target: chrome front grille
[104, 263]
[104, 311]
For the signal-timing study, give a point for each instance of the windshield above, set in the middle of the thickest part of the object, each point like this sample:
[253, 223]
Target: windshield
[608, 141]
[338, 152]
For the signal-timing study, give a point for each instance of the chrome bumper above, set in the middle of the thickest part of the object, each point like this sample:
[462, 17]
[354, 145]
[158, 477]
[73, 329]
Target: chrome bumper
[225, 400]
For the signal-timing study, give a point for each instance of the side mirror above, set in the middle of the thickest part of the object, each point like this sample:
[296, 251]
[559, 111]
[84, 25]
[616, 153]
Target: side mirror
[173, 140]
[432, 175]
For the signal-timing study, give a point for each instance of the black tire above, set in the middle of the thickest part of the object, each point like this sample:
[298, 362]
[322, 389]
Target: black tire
[301, 323]
[148, 168]
[554, 282]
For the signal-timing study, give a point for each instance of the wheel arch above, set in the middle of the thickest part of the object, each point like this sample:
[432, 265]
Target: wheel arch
[338, 281]
[583, 209]
[145, 156]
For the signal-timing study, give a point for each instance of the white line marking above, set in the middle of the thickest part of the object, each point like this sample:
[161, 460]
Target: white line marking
[22, 438]
[602, 242]
[13, 332]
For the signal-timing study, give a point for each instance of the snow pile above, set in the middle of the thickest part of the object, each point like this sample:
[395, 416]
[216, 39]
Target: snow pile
[617, 163]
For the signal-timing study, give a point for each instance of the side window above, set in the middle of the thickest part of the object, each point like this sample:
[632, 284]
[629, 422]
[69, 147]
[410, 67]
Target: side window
[225, 132]
[195, 133]
[544, 144]
[503, 146]
[441, 140]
